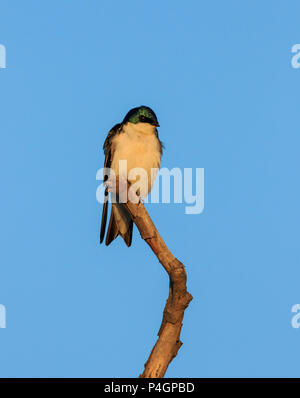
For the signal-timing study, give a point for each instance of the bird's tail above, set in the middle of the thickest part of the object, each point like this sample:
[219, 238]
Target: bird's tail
[120, 223]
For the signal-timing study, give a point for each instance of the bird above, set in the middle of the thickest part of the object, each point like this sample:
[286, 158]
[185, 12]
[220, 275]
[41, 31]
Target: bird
[135, 140]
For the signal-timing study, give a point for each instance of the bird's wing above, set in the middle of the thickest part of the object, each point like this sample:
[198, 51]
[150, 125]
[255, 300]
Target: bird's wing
[160, 143]
[108, 151]
[120, 222]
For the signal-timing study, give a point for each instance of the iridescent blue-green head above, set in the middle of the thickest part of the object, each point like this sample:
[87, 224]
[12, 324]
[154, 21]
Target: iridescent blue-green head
[141, 114]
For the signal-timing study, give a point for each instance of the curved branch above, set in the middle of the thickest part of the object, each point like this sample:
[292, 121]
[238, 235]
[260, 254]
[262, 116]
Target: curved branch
[168, 342]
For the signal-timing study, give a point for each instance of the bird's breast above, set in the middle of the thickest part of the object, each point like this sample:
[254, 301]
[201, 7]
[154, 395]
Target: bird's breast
[141, 151]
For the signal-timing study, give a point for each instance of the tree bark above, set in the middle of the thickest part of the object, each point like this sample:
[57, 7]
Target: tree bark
[168, 342]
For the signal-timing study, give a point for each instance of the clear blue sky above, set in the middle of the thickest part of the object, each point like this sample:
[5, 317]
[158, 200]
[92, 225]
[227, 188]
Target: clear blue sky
[219, 76]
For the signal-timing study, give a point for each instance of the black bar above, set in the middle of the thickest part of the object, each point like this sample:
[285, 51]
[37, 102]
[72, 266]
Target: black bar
[135, 386]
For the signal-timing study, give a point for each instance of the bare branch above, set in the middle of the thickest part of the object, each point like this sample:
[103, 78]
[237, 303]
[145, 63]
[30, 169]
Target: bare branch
[168, 342]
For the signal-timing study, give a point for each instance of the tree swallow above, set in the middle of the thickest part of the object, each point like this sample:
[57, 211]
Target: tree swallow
[136, 141]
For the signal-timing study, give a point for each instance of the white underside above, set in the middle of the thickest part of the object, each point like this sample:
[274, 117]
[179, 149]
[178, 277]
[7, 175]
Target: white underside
[139, 147]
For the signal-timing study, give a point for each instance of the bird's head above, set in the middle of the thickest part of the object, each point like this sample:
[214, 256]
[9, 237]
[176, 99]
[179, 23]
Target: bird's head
[141, 114]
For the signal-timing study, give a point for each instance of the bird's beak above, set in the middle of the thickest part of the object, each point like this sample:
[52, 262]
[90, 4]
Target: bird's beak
[156, 124]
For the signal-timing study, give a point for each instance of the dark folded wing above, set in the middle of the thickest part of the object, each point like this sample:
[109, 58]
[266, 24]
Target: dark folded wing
[108, 151]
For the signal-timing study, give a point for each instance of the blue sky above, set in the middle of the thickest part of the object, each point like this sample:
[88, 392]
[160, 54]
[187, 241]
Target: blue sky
[219, 76]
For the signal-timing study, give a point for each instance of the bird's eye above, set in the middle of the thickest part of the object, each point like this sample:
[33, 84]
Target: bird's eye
[142, 118]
